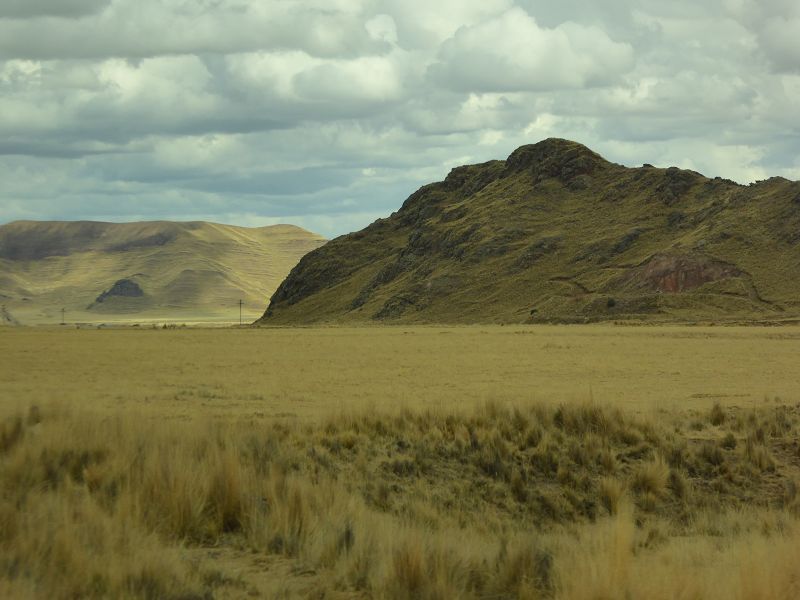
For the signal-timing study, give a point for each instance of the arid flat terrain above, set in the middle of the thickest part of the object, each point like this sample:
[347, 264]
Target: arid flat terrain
[400, 462]
[307, 371]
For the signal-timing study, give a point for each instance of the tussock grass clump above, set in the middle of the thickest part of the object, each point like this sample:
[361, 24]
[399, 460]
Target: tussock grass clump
[678, 484]
[791, 496]
[729, 441]
[717, 415]
[410, 575]
[11, 432]
[611, 493]
[651, 478]
[758, 455]
[711, 454]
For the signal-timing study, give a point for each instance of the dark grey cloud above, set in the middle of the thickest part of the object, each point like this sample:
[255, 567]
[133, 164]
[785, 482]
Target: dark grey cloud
[20, 9]
[148, 28]
[329, 113]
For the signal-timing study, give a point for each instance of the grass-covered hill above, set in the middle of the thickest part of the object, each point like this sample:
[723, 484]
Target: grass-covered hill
[557, 233]
[160, 270]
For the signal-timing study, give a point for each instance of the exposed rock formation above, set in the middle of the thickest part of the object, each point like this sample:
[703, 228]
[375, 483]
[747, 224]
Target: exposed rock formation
[675, 274]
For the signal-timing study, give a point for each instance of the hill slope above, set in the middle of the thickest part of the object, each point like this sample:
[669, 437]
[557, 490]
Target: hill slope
[159, 270]
[557, 233]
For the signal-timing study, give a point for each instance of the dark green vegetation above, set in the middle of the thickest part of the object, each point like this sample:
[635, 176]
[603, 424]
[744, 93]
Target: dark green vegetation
[557, 233]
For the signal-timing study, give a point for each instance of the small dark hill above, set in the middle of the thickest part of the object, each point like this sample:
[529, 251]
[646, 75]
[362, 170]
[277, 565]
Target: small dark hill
[557, 233]
[125, 288]
[126, 295]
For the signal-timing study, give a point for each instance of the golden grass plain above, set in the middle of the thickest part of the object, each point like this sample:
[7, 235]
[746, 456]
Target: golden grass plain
[400, 462]
[305, 372]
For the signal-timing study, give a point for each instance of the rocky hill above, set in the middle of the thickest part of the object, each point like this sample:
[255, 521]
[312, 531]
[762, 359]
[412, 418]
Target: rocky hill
[150, 270]
[557, 233]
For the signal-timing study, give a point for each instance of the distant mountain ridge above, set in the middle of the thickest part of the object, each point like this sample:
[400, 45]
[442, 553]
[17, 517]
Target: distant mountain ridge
[557, 233]
[162, 269]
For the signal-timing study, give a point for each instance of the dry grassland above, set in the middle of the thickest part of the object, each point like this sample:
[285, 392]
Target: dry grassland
[250, 373]
[193, 271]
[544, 462]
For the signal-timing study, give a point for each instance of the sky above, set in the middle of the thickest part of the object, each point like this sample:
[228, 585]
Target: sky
[329, 113]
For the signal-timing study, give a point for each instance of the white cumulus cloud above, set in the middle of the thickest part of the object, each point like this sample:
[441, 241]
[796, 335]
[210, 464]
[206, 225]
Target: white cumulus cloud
[513, 53]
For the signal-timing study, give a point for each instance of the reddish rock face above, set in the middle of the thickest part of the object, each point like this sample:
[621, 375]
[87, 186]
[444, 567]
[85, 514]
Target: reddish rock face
[673, 274]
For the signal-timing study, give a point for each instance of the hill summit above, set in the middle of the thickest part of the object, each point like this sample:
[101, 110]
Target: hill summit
[159, 270]
[556, 233]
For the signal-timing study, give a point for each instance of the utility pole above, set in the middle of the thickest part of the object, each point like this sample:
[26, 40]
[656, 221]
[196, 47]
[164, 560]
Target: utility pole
[62, 316]
[240, 312]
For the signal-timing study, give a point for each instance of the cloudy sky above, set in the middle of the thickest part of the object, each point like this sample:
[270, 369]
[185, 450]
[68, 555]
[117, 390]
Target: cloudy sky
[329, 113]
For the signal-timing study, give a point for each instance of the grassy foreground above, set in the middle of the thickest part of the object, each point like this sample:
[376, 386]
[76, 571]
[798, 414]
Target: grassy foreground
[567, 502]
[543, 462]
